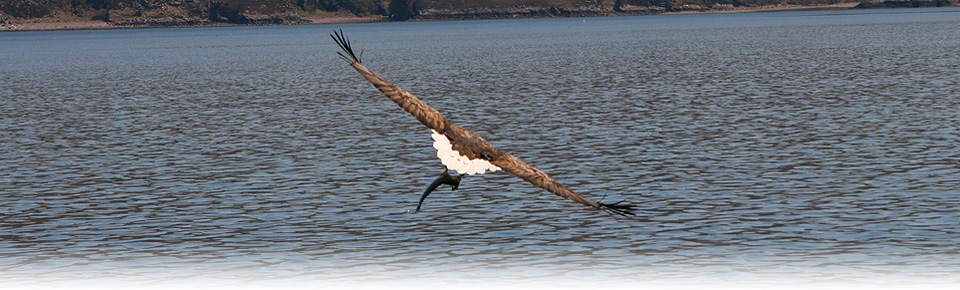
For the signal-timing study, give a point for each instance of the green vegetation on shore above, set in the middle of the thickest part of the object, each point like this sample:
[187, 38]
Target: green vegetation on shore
[210, 12]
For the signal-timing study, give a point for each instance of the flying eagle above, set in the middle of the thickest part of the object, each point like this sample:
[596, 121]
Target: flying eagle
[461, 150]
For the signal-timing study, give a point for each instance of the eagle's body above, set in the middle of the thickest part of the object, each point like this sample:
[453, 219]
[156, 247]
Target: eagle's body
[460, 149]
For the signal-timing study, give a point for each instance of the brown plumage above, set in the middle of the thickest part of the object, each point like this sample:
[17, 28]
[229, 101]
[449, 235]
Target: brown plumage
[463, 141]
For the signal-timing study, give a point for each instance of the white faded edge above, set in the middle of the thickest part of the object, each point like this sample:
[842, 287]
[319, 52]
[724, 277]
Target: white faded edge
[456, 161]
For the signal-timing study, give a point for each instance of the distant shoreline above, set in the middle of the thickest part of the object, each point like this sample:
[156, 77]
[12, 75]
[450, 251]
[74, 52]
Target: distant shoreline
[98, 25]
[51, 25]
[771, 8]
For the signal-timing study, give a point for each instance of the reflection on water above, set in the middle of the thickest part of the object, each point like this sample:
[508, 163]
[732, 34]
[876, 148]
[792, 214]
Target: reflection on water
[800, 147]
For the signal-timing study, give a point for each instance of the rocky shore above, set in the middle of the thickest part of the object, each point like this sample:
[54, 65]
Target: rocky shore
[907, 4]
[167, 18]
[588, 11]
[155, 23]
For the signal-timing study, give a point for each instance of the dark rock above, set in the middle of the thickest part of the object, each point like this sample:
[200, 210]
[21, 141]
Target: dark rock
[5, 19]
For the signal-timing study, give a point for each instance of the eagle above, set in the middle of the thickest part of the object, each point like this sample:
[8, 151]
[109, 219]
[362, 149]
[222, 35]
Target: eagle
[461, 150]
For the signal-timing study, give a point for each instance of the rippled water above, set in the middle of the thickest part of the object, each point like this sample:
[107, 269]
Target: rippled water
[795, 148]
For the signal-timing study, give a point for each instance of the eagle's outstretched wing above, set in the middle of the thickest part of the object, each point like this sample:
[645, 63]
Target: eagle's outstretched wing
[471, 147]
[427, 115]
[516, 167]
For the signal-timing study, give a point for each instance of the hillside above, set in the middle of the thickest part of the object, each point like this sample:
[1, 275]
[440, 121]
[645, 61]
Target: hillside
[120, 13]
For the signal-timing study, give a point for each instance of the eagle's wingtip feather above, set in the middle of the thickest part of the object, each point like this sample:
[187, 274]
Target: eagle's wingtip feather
[344, 42]
[618, 209]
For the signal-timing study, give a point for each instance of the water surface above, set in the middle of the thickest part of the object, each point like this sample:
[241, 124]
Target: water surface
[787, 148]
